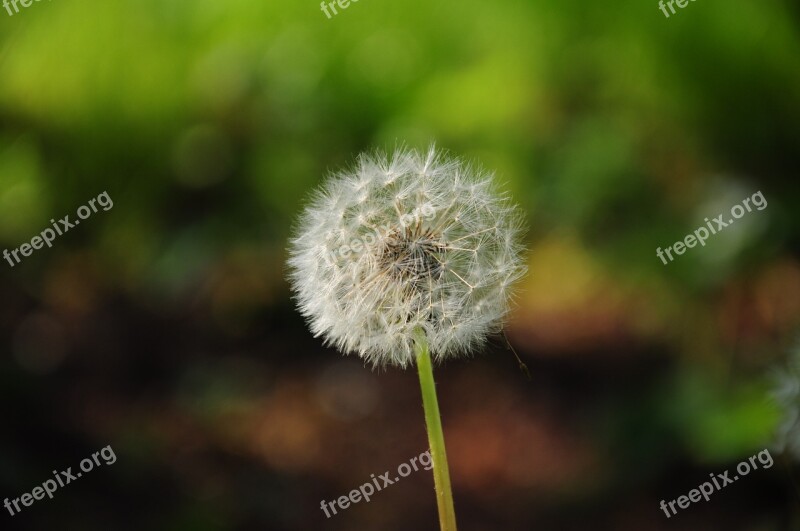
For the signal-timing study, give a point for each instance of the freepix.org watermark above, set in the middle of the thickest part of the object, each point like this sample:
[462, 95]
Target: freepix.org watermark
[8, 4]
[47, 236]
[719, 481]
[719, 223]
[343, 4]
[663, 7]
[365, 491]
[62, 479]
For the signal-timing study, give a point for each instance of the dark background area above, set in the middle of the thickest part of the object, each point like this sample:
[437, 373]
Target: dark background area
[164, 326]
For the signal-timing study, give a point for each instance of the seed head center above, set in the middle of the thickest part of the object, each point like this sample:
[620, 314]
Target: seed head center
[414, 256]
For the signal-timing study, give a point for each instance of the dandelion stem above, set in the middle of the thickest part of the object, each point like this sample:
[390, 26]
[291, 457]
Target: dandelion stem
[441, 473]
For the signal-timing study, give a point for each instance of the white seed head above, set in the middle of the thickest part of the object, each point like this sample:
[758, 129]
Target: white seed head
[786, 395]
[401, 243]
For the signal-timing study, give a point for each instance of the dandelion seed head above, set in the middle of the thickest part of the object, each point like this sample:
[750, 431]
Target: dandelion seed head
[786, 395]
[405, 242]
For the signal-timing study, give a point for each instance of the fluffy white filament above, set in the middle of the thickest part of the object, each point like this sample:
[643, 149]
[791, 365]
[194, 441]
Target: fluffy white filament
[786, 395]
[406, 242]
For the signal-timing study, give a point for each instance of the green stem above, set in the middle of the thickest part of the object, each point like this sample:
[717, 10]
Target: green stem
[441, 473]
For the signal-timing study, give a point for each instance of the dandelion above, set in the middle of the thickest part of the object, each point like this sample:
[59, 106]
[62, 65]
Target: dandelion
[412, 242]
[786, 394]
[408, 259]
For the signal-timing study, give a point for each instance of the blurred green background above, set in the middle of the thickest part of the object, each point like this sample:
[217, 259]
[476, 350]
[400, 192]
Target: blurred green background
[164, 326]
